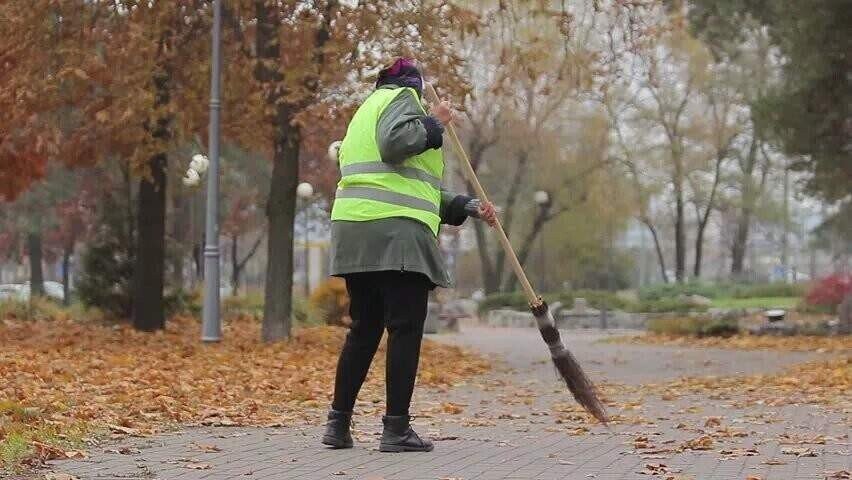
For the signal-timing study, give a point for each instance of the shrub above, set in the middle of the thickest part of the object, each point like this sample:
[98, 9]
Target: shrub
[512, 300]
[37, 308]
[721, 290]
[694, 326]
[250, 305]
[304, 313]
[518, 301]
[331, 301]
[106, 279]
[184, 302]
[830, 291]
[672, 290]
[674, 305]
[597, 299]
[763, 290]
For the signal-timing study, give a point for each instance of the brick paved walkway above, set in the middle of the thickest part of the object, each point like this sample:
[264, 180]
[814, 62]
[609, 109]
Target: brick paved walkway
[519, 423]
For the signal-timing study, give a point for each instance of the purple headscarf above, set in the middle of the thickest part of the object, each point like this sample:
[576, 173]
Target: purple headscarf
[404, 73]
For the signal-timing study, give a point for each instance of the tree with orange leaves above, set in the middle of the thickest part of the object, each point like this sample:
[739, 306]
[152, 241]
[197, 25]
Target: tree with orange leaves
[307, 59]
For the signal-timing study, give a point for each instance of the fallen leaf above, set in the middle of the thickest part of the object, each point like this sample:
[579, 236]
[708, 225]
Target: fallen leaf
[704, 442]
[839, 474]
[206, 447]
[799, 452]
[712, 422]
[451, 408]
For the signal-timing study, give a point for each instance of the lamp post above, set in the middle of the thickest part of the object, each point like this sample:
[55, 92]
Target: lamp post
[542, 199]
[305, 191]
[211, 323]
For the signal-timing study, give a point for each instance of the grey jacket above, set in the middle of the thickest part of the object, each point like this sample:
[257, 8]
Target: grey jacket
[399, 244]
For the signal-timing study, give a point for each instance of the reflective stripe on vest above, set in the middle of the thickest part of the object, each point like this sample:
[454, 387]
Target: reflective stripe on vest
[370, 189]
[381, 167]
[386, 196]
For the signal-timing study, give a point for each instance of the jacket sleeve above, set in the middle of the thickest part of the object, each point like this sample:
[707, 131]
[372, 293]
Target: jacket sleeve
[453, 211]
[404, 130]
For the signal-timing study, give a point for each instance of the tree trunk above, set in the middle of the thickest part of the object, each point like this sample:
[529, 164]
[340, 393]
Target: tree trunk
[66, 273]
[680, 231]
[281, 205]
[149, 273]
[738, 249]
[699, 250]
[235, 265]
[281, 212]
[661, 259]
[34, 252]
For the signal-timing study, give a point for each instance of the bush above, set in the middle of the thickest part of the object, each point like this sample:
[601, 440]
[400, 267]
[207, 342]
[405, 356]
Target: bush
[331, 301]
[829, 292]
[763, 290]
[721, 290]
[183, 302]
[250, 305]
[518, 301]
[37, 308]
[673, 290]
[106, 280]
[304, 313]
[694, 326]
[663, 305]
[599, 299]
[511, 300]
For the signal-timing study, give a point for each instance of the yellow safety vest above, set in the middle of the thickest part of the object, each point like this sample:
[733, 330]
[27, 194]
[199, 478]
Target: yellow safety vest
[370, 189]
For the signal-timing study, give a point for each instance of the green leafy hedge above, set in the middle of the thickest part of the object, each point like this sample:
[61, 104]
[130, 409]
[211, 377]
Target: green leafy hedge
[517, 301]
[694, 326]
[721, 290]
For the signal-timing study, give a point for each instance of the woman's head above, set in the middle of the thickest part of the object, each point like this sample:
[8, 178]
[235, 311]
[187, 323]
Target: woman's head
[403, 73]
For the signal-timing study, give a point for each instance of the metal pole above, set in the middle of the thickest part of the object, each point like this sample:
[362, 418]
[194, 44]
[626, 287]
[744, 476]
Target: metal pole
[307, 252]
[211, 324]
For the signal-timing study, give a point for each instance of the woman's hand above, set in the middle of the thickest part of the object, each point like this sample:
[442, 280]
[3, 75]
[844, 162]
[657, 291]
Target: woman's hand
[443, 112]
[488, 213]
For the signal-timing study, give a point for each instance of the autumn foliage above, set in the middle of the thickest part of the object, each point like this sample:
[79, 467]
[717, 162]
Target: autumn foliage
[830, 291]
[71, 373]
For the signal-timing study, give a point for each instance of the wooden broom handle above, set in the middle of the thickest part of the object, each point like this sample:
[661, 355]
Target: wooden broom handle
[470, 175]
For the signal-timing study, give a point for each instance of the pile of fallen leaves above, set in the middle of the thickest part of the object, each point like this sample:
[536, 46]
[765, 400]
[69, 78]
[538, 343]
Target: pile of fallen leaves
[797, 343]
[65, 373]
[826, 383]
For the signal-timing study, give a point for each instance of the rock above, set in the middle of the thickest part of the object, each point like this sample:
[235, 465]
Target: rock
[696, 300]
[510, 318]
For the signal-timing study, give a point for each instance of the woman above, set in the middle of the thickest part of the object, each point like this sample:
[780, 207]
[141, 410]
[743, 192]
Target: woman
[385, 220]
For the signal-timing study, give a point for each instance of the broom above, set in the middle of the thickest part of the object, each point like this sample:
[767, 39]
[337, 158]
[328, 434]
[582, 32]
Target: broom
[567, 366]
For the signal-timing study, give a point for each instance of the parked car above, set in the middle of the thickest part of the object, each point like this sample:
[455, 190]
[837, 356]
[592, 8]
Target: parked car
[13, 291]
[21, 291]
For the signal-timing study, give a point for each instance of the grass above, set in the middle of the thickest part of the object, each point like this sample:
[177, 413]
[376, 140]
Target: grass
[20, 426]
[756, 302]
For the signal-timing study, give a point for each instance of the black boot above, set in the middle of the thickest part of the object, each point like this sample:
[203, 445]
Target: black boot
[337, 433]
[398, 436]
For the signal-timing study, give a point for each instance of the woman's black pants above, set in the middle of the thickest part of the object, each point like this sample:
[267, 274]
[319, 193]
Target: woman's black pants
[378, 300]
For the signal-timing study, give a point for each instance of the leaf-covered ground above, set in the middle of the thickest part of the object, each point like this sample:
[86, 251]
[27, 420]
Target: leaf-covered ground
[796, 343]
[64, 380]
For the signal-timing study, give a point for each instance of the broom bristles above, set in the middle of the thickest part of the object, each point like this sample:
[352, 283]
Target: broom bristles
[579, 384]
[568, 367]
